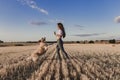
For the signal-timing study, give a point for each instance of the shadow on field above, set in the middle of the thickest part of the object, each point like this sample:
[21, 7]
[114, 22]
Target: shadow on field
[21, 70]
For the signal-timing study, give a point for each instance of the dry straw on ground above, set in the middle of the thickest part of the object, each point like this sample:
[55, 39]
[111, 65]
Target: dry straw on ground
[87, 62]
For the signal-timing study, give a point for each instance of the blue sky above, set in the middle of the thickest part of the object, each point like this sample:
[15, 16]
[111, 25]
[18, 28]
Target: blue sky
[25, 20]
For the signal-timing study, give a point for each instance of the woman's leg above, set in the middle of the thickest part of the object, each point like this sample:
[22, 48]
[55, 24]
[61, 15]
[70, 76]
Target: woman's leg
[58, 51]
[62, 48]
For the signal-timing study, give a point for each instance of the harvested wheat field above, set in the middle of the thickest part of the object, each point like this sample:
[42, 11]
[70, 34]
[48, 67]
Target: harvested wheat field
[87, 62]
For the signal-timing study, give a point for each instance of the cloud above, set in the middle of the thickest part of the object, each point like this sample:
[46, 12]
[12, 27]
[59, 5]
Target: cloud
[81, 29]
[38, 23]
[88, 35]
[117, 19]
[32, 4]
[56, 20]
[77, 25]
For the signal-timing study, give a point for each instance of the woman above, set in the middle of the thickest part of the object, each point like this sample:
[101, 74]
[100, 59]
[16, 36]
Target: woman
[61, 33]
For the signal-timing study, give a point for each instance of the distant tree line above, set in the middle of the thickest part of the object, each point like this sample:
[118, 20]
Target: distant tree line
[1, 41]
[112, 41]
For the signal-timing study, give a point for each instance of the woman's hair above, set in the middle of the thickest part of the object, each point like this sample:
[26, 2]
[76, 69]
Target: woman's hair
[60, 25]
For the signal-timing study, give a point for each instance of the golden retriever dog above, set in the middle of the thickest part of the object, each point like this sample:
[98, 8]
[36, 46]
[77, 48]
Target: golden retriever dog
[42, 48]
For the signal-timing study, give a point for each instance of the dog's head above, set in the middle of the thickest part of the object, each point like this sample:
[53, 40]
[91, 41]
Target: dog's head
[43, 39]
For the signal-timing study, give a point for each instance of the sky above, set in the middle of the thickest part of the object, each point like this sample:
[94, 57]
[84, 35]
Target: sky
[29, 20]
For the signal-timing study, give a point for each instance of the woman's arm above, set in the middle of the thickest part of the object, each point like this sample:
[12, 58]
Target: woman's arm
[57, 35]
